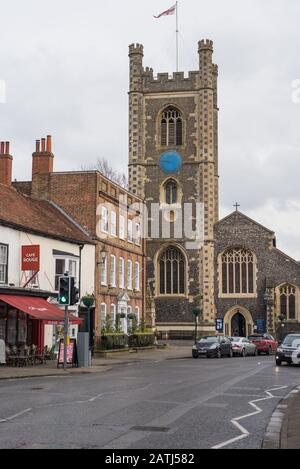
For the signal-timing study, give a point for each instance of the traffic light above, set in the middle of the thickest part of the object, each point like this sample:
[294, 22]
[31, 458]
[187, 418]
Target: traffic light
[74, 297]
[64, 295]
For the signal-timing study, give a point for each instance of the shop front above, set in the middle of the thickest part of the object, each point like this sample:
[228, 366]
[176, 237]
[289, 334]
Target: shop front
[23, 319]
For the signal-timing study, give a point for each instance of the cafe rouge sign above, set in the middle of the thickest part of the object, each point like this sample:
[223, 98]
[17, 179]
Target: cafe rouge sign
[30, 258]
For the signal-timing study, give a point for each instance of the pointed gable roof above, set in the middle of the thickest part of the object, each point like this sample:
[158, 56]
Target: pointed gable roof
[237, 215]
[41, 217]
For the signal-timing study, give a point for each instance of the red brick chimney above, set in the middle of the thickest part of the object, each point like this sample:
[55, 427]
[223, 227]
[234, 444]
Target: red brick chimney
[42, 158]
[5, 164]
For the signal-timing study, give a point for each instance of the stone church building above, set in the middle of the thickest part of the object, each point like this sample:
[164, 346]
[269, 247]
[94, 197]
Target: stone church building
[230, 269]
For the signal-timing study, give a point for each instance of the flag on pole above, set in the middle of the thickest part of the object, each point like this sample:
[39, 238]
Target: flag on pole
[170, 11]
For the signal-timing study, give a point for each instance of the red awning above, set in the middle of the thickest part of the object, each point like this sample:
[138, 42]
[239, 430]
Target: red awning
[39, 308]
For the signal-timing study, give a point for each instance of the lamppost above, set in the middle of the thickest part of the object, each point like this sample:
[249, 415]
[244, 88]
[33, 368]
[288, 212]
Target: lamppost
[281, 319]
[197, 313]
[269, 302]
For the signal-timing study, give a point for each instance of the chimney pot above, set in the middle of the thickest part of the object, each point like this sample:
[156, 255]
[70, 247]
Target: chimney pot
[43, 144]
[49, 143]
[37, 146]
[5, 164]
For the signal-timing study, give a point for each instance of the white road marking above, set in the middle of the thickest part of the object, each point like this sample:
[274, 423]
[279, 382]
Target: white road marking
[258, 410]
[8, 419]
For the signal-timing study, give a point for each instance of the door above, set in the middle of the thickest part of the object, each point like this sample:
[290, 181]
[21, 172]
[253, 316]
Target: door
[238, 325]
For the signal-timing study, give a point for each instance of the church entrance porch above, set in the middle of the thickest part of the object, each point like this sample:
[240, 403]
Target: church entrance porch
[238, 326]
[238, 322]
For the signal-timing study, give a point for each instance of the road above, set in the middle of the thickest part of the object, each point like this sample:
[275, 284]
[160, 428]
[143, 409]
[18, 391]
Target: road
[163, 404]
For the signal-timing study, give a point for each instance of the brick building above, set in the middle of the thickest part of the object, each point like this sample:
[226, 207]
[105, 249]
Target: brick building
[38, 244]
[113, 218]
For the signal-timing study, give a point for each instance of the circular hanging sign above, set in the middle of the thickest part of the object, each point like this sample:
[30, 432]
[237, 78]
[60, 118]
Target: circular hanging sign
[170, 162]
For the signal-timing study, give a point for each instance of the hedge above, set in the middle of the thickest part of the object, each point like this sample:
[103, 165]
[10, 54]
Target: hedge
[119, 341]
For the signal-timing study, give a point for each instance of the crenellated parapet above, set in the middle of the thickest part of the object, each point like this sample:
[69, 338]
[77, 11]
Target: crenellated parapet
[175, 82]
[205, 45]
[136, 49]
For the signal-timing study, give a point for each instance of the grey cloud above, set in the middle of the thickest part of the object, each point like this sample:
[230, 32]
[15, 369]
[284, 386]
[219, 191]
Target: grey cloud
[66, 69]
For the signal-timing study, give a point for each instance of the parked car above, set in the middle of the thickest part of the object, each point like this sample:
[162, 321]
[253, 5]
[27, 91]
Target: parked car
[213, 347]
[265, 343]
[286, 351]
[243, 347]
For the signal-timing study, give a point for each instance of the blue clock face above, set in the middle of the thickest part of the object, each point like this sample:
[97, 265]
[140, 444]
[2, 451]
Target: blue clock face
[170, 162]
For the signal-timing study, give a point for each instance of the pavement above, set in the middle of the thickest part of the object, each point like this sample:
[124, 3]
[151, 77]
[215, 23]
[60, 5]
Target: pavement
[283, 431]
[99, 364]
[160, 399]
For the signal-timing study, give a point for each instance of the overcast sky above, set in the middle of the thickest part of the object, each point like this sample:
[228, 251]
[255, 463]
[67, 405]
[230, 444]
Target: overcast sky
[65, 64]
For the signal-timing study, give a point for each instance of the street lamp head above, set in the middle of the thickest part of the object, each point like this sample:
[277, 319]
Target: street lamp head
[197, 312]
[282, 318]
[103, 253]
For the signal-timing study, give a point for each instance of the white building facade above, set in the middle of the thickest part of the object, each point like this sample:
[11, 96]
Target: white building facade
[55, 258]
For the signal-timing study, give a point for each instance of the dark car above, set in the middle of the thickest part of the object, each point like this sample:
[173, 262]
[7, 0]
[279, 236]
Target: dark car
[213, 347]
[289, 350]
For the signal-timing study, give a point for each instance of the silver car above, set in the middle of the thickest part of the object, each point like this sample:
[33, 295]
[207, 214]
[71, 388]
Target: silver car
[243, 347]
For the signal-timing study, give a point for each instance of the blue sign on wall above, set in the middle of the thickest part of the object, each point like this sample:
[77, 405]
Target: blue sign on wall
[220, 325]
[170, 162]
[261, 326]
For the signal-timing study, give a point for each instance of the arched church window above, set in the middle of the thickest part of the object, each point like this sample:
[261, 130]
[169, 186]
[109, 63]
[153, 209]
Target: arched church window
[171, 192]
[288, 302]
[238, 272]
[172, 268]
[171, 128]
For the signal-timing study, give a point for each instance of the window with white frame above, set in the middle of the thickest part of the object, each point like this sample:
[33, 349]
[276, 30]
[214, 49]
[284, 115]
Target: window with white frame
[103, 315]
[121, 273]
[34, 282]
[137, 276]
[113, 223]
[137, 314]
[72, 268]
[129, 275]
[3, 263]
[104, 271]
[122, 227]
[112, 278]
[104, 219]
[63, 265]
[130, 234]
[138, 233]
[113, 315]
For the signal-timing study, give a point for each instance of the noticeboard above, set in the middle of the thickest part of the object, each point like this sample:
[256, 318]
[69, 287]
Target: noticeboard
[261, 326]
[220, 325]
[72, 355]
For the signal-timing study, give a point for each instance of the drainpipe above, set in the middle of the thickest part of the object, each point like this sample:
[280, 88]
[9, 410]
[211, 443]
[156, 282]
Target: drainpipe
[80, 258]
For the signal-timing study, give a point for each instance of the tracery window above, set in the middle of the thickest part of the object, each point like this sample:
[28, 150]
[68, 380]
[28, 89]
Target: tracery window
[288, 302]
[172, 270]
[171, 127]
[238, 272]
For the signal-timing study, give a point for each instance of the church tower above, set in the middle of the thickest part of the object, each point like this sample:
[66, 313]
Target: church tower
[173, 163]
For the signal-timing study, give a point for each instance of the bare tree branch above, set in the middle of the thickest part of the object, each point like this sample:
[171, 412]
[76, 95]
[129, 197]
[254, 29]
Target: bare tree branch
[102, 165]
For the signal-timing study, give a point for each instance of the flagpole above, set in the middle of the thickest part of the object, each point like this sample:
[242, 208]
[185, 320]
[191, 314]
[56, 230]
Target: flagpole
[177, 33]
